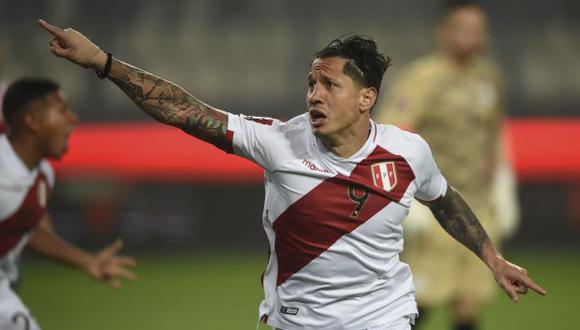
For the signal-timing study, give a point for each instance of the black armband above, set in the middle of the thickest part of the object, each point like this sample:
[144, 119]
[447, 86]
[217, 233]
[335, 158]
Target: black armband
[107, 69]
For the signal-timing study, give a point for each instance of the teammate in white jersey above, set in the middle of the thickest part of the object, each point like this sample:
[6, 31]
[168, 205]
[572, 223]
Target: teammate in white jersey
[39, 122]
[338, 187]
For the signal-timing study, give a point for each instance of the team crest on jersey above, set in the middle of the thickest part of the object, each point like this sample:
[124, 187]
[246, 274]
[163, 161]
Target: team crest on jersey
[41, 193]
[385, 175]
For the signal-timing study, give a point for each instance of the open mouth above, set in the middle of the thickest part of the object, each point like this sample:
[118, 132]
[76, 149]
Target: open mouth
[316, 118]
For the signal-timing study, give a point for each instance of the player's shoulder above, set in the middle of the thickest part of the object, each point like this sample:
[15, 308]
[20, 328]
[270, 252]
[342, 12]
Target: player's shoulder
[424, 67]
[9, 164]
[273, 132]
[274, 122]
[5, 174]
[401, 141]
[266, 121]
[487, 67]
[297, 122]
[427, 62]
[296, 126]
[297, 130]
[387, 133]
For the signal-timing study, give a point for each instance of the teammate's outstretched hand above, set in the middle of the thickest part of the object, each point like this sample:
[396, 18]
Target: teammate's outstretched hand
[108, 267]
[75, 47]
[514, 279]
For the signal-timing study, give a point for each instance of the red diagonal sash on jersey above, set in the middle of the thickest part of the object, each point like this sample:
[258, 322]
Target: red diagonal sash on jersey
[26, 217]
[322, 216]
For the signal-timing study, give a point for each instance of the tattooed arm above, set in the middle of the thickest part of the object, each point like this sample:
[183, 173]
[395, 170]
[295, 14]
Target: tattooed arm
[170, 104]
[161, 99]
[456, 217]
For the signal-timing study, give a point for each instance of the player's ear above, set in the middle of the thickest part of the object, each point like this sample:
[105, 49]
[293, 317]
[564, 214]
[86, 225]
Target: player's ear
[367, 99]
[32, 119]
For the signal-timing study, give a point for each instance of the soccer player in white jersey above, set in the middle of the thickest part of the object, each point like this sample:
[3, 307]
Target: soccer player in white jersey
[38, 124]
[338, 187]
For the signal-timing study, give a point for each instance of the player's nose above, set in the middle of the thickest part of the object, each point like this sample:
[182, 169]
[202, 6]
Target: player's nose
[316, 95]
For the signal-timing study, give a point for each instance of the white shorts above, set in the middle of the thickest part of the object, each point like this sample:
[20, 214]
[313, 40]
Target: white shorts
[13, 314]
[403, 323]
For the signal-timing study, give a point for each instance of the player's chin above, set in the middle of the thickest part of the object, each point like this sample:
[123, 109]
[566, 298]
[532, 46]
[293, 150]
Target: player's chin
[58, 153]
[318, 132]
[319, 129]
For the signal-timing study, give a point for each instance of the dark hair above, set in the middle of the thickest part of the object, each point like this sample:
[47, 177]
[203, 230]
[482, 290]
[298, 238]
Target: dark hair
[365, 64]
[23, 91]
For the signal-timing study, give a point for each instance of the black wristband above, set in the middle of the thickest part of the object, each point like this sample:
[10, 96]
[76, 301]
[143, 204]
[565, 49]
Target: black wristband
[107, 69]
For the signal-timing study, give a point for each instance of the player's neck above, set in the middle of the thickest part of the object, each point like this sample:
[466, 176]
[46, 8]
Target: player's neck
[26, 150]
[347, 143]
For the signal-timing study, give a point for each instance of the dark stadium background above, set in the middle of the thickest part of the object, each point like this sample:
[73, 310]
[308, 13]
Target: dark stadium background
[192, 213]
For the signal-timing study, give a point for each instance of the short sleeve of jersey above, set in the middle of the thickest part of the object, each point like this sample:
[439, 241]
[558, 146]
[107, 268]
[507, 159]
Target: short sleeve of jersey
[432, 184]
[256, 138]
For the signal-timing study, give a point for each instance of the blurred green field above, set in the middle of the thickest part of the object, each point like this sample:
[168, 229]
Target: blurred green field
[222, 292]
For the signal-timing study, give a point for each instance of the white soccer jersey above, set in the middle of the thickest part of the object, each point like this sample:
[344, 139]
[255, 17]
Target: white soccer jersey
[23, 199]
[333, 224]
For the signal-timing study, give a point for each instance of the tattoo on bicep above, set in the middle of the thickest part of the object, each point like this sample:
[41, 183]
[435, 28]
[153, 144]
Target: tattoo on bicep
[457, 218]
[208, 125]
[170, 104]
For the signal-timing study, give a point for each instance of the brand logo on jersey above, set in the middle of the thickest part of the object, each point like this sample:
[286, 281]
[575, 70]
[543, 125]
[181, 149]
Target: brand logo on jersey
[41, 193]
[384, 175]
[313, 167]
[289, 310]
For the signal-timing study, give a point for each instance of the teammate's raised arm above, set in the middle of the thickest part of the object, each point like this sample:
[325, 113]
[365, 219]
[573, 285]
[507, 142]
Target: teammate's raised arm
[161, 99]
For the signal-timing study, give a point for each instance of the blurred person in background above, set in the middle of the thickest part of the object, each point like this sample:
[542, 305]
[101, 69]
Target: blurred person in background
[338, 187]
[38, 124]
[454, 99]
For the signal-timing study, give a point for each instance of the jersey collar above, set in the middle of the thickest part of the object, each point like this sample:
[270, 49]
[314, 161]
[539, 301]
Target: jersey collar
[361, 154]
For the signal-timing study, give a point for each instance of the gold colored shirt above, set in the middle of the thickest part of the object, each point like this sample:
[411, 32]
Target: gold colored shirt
[458, 111]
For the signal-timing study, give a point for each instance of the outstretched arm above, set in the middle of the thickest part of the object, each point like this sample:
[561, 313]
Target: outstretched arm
[457, 218]
[161, 99]
[105, 266]
[170, 104]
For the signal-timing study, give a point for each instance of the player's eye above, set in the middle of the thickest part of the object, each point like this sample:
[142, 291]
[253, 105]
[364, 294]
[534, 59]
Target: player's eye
[331, 84]
[310, 84]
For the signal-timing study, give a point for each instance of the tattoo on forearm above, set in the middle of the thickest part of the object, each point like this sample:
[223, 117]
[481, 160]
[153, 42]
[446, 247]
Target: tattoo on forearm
[457, 218]
[170, 104]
